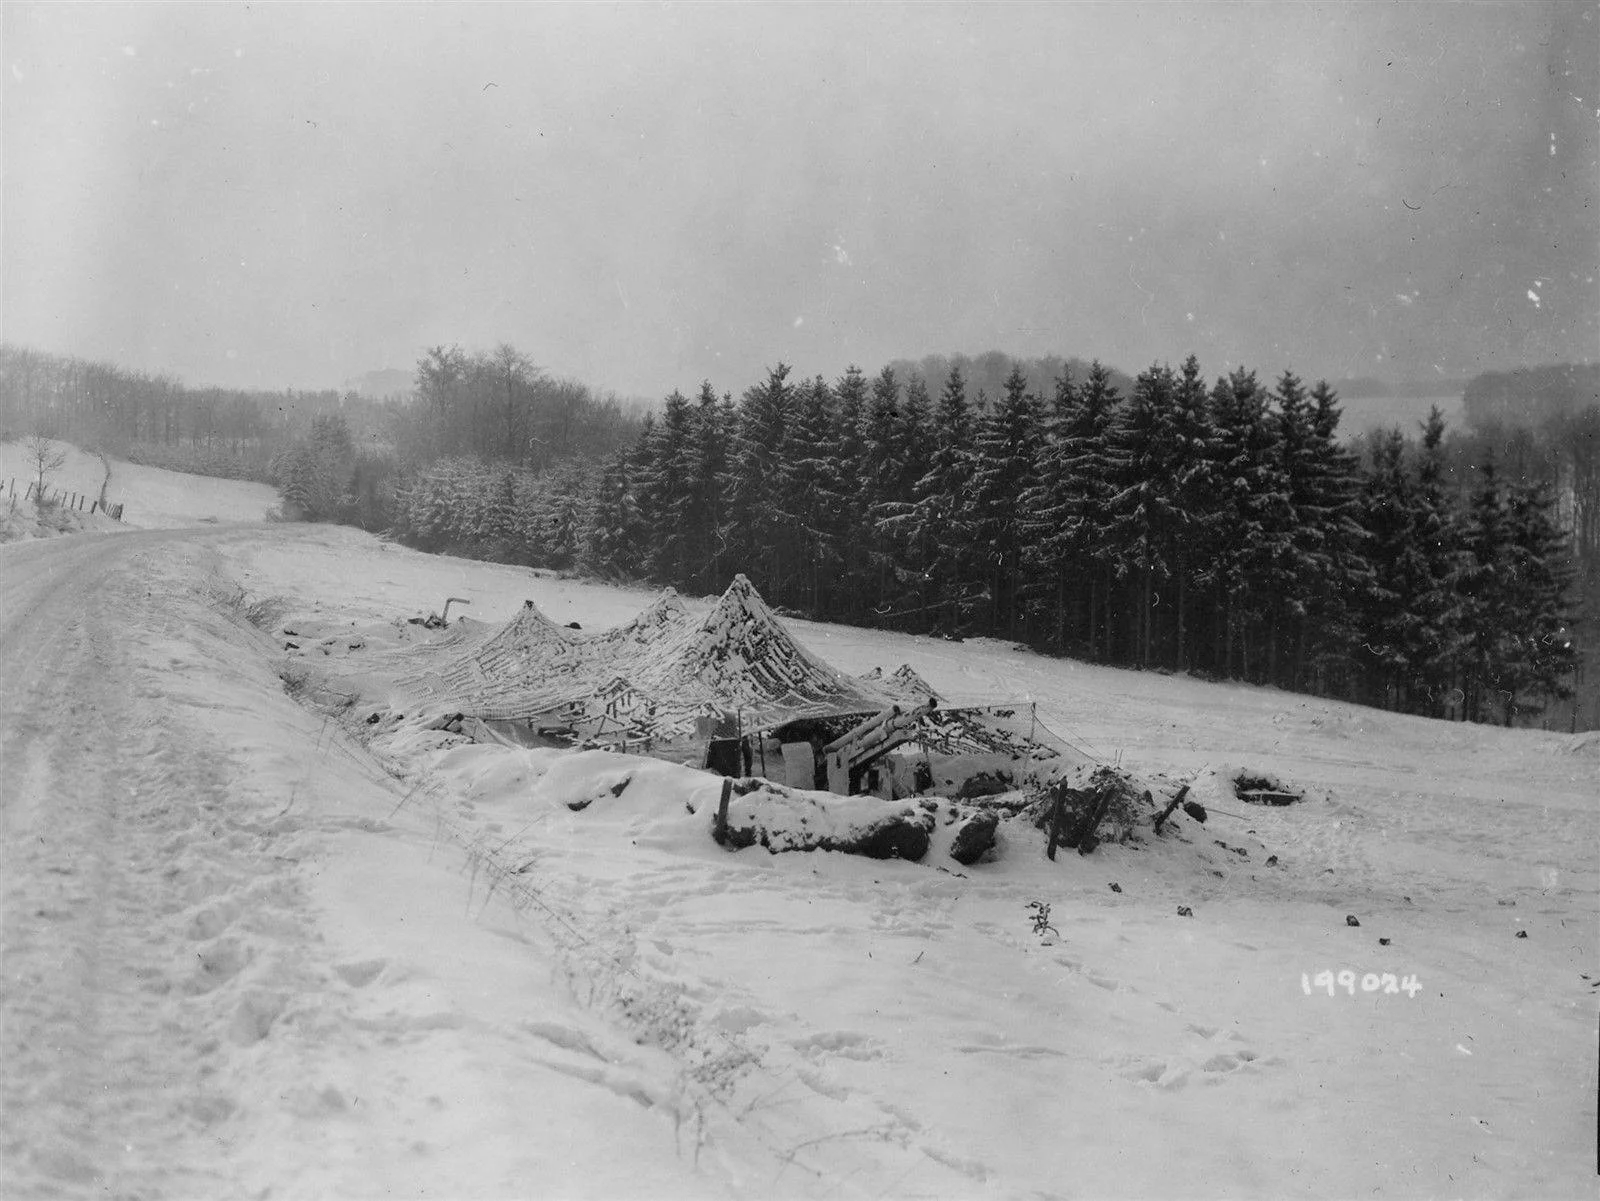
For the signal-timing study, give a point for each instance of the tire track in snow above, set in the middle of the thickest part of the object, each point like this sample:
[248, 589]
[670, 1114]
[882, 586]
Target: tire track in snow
[94, 1075]
[133, 875]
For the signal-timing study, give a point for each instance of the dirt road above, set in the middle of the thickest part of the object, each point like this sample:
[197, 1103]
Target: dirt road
[227, 967]
[117, 830]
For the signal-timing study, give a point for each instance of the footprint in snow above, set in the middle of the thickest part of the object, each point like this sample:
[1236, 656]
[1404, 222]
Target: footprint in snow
[360, 973]
[847, 1044]
[218, 963]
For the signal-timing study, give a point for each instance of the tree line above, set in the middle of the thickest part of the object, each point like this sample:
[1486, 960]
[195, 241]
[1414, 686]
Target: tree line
[1149, 521]
[154, 418]
[338, 456]
[470, 462]
[1530, 396]
[1220, 529]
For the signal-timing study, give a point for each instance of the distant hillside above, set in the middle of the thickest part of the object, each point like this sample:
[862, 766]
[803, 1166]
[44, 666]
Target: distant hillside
[1405, 413]
[1367, 387]
[380, 385]
[1531, 395]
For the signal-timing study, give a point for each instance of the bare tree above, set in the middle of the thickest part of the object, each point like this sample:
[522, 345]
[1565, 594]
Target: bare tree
[46, 460]
[105, 483]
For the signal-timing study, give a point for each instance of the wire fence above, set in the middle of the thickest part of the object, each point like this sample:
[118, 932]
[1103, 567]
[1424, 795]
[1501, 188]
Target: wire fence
[61, 498]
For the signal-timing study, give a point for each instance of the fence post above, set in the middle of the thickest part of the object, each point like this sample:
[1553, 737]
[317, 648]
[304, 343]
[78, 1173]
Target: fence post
[1055, 819]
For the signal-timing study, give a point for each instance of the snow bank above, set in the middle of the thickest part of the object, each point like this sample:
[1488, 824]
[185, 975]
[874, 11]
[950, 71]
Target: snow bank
[22, 521]
[789, 819]
[675, 804]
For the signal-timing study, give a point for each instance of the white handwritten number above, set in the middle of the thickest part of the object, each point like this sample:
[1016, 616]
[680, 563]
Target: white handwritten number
[1387, 982]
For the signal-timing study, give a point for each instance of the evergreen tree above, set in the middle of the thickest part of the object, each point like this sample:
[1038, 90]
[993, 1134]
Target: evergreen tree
[900, 538]
[666, 477]
[884, 455]
[1338, 592]
[1052, 530]
[1142, 514]
[811, 497]
[615, 537]
[916, 424]
[1490, 619]
[1313, 604]
[1005, 462]
[1395, 640]
[1441, 607]
[1196, 495]
[707, 480]
[757, 533]
[1250, 548]
[940, 511]
[559, 518]
[504, 526]
[1539, 656]
[850, 406]
[1092, 466]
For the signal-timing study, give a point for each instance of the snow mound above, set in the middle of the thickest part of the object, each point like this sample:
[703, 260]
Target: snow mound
[788, 819]
[904, 684]
[1225, 785]
[23, 521]
[1126, 805]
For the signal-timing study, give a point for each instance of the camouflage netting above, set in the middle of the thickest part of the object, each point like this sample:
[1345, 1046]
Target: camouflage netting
[661, 675]
[1127, 806]
[903, 683]
[668, 677]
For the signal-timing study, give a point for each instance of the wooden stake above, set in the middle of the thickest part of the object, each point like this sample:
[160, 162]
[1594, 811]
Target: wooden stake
[1055, 822]
[1098, 803]
[1171, 805]
[719, 829]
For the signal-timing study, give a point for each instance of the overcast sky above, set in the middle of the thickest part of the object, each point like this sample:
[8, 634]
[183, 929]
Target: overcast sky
[645, 196]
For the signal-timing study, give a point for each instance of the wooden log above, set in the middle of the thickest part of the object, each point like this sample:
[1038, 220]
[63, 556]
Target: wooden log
[1171, 805]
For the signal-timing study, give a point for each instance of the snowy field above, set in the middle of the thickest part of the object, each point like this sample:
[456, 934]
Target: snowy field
[152, 498]
[253, 949]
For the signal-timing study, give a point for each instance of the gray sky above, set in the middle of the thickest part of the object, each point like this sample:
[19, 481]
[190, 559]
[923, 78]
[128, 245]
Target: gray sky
[644, 196]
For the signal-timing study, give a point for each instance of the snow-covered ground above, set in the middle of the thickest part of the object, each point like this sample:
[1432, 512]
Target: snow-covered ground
[151, 498]
[251, 949]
